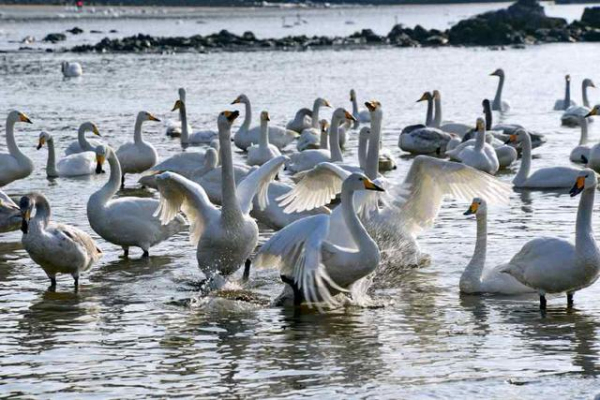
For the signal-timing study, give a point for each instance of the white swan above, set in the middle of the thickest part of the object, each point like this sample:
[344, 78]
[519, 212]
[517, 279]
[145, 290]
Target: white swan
[552, 265]
[475, 279]
[15, 164]
[499, 104]
[71, 69]
[174, 127]
[10, 215]
[456, 128]
[571, 116]
[189, 138]
[481, 156]
[309, 138]
[258, 155]
[362, 116]
[307, 159]
[302, 120]
[563, 104]
[313, 267]
[543, 178]
[506, 154]
[57, 248]
[593, 160]
[82, 144]
[581, 153]
[428, 116]
[225, 237]
[126, 221]
[138, 156]
[246, 136]
[74, 165]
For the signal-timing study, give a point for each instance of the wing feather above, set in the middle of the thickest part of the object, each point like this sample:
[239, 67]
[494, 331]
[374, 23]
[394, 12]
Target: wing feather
[257, 182]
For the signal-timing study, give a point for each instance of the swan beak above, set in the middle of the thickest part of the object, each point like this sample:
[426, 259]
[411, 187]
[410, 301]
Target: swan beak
[25, 221]
[177, 105]
[95, 131]
[578, 186]
[472, 209]
[568, 78]
[372, 105]
[327, 104]
[267, 117]
[231, 115]
[495, 73]
[511, 138]
[236, 101]
[592, 85]
[593, 111]
[24, 118]
[99, 162]
[349, 116]
[152, 118]
[370, 185]
[423, 97]
[41, 142]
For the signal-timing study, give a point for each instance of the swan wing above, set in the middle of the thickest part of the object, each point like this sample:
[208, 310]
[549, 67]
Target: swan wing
[179, 193]
[430, 180]
[318, 187]
[257, 183]
[78, 238]
[296, 250]
[7, 201]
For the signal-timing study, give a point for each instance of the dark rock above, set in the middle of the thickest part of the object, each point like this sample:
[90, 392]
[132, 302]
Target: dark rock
[55, 37]
[249, 37]
[591, 17]
[95, 31]
[435, 40]
[591, 35]
[75, 31]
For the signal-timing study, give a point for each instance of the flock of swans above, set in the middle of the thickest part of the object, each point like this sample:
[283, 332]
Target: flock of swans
[323, 250]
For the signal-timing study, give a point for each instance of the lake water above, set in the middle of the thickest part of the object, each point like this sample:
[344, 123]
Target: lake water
[131, 331]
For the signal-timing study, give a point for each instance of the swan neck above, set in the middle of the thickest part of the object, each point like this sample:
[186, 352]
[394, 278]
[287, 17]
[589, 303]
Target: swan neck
[488, 118]
[324, 144]
[437, 119]
[355, 227]
[586, 102]
[42, 211]
[354, 107]
[334, 140]
[363, 141]
[185, 134]
[102, 196]
[498, 98]
[231, 210]
[523, 173]
[583, 139]
[82, 140]
[480, 140]
[51, 163]
[264, 135]
[429, 115]
[137, 132]
[247, 116]
[470, 281]
[584, 234]
[372, 160]
[315, 115]
[567, 94]
[11, 143]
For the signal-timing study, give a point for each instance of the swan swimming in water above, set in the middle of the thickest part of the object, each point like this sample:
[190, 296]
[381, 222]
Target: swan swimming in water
[302, 120]
[563, 104]
[82, 144]
[15, 164]
[309, 137]
[552, 265]
[258, 155]
[571, 116]
[476, 279]
[361, 116]
[57, 248]
[10, 214]
[481, 156]
[174, 127]
[78, 164]
[581, 153]
[71, 69]
[499, 104]
[187, 137]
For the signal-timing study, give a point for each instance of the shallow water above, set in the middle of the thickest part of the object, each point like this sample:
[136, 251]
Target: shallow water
[130, 331]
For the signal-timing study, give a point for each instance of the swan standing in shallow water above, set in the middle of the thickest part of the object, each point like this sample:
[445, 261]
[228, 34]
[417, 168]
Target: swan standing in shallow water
[552, 265]
[138, 156]
[481, 156]
[79, 164]
[312, 266]
[563, 104]
[543, 178]
[499, 104]
[362, 116]
[258, 155]
[82, 144]
[189, 138]
[57, 248]
[225, 237]
[71, 69]
[571, 116]
[475, 279]
[10, 214]
[581, 153]
[246, 136]
[15, 164]
[309, 138]
[174, 127]
[126, 221]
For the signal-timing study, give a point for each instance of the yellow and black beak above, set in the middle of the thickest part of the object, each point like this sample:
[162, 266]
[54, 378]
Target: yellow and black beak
[231, 115]
[267, 117]
[372, 105]
[236, 101]
[99, 162]
[370, 185]
[152, 118]
[480, 125]
[177, 105]
[349, 116]
[24, 118]
[95, 131]
[424, 97]
[593, 111]
[511, 138]
[578, 186]
[495, 73]
[328, 104]
[41, 142]
[472, 209]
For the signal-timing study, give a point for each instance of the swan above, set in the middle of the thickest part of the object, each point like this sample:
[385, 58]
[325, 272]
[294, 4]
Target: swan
[506, 155]
[302, 120]
[481, 156]
[475, 279]
[571, 115]
[174, 127]
[543, 178]
[258, 155]
[189, 138]
[428, 116]
[552, 265]
[581, 153]
[10, 214]
[71, 69]
[225, 237]
[57, 248]
[563, 104]
[74, 165]
[126, 221]
[246, 136]
[499, 104]
[82, 144]
[362, 116]
[307, 159]
[312, 266]
[593, 160]
[309, 138]
[456, 128]
[138, 156]
[15, 164]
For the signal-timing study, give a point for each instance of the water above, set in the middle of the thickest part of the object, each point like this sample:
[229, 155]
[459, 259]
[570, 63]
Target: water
[130, 331]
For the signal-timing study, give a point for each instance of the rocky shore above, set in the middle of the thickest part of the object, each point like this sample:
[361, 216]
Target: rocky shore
[522, 23]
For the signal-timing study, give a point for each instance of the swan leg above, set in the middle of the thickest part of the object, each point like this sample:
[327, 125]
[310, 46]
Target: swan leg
[246, 275]
[297, 292]
[146, 254]
[125, 252]
[52, 286]
[122, 182]
[76, 282]
[569, 300]
[542, 302]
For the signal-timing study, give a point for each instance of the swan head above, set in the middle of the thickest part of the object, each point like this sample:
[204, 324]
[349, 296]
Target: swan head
[436, 95]
[341, 113]
[352, 95]
[226, 118]
[181, 93]
[18, 116]
[177, 106]
[588, 83]
[425, 97]
[568, 78]
[26, 205]
[364, 133]
[517, 137]
[241, 99]
[211, 158]
[264, 116]
[499, 73]
[477, 207]
[487, 106]
[43, 138]
[89, 127]
[480, 124]
[304, 112]
[585, 180]
[101, 152]
[594, 111]
[146, 116]
[321, 102]
[324, 125]
[358, 181]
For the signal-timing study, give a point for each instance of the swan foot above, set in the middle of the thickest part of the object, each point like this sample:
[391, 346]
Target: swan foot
[146, 254]
[122, 182]
[542, 302]
[246, 274]
[297, 292]
[76, 283]
[570, 300]
[125, 253]
[52, 287]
